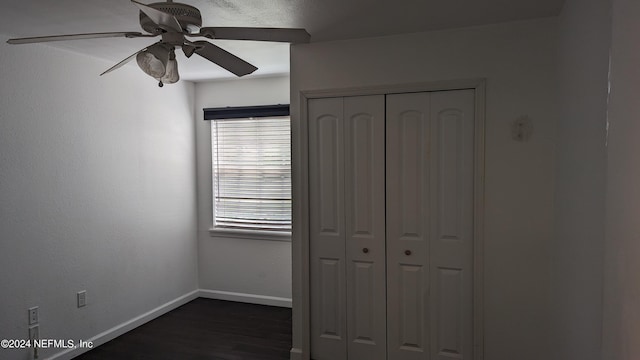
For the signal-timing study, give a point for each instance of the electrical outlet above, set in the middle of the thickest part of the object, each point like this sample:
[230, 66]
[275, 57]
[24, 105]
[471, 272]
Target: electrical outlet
[82, 298]
[33, 315]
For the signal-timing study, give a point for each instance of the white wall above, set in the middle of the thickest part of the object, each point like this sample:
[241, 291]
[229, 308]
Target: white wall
[577, 269]
[622, 248]
[519, 62]
[97, 193]
[233, 268]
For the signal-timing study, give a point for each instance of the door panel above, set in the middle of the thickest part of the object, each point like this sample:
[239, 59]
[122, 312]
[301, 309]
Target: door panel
[449, 310]
[365, 239]
[408, 135]
[449, 163]
[330, 315]
[452, 234]
[411, 309]
[327, 229]
[362, 325]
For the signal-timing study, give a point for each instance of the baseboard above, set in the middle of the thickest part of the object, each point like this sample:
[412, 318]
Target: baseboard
[246, 298]
[296, 354]
[128, 326]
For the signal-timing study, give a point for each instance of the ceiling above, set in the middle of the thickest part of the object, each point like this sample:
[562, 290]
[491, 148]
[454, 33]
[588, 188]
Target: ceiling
[325, 20]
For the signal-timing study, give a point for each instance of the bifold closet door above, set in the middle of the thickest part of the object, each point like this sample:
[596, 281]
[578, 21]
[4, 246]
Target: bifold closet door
[327, 229]
[347, 222]
[429, 189]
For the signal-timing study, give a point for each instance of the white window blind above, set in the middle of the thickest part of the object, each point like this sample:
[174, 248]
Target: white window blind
[252, 173]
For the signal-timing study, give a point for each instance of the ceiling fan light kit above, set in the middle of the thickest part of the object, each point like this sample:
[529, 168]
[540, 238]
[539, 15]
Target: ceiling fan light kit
[174, 22]
[171, 76]
[159, 62]
[153, 60]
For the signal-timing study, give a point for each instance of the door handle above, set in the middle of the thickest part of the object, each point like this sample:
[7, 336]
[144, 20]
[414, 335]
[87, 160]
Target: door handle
[365, 250]
[407, 252]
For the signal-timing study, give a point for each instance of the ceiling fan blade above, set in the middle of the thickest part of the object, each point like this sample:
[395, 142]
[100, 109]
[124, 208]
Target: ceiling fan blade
[164, 20]
[223, 58]
[121, 63]
[294, 36]
[40, 39]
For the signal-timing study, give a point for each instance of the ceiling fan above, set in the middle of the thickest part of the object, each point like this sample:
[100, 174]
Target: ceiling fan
[175, 23]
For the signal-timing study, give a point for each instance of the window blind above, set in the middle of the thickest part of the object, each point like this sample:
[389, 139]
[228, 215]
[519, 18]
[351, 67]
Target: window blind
[241, 112]
[252, 173]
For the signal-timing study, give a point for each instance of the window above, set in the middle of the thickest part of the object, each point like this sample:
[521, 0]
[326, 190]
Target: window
[251, 168]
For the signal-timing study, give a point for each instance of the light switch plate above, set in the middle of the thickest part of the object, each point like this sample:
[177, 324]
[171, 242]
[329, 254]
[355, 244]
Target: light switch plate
[82, 298]
[33, 315]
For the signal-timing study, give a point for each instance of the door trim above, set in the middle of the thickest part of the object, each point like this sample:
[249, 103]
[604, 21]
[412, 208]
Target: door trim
[300, 191]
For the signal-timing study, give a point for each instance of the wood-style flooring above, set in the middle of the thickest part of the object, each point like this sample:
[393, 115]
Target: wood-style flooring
[205, 329]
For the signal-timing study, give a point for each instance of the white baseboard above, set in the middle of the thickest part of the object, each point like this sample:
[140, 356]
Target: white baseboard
[296, 354]
[246, 298]
[128, 326]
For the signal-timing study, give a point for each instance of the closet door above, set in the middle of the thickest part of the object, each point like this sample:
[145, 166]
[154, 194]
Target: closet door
[408, 199]
[327, 229]
[365, 224]
[347, 209]
[391, 276]
[429, 143]
[451, 239]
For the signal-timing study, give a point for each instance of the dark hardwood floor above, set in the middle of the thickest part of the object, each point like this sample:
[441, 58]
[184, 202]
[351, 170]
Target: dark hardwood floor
[205, 329]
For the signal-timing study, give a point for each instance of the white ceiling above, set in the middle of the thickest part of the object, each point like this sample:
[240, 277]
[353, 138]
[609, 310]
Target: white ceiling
[325, 20]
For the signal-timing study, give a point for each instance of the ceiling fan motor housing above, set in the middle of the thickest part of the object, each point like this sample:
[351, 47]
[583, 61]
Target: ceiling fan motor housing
[188, 16]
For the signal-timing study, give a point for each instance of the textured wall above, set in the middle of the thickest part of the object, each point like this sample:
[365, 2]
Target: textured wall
[576, 276]
[97, 193]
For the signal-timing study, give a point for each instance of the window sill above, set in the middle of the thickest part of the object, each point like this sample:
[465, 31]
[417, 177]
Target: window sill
[250, 234]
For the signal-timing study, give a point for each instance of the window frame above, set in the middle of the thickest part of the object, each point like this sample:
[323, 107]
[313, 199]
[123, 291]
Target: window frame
[243, 112]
